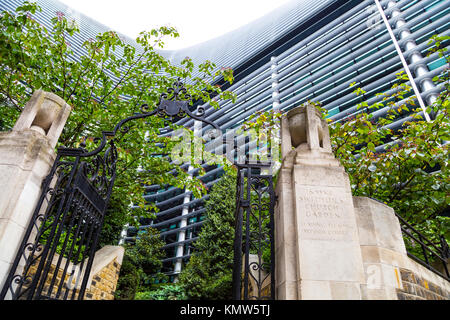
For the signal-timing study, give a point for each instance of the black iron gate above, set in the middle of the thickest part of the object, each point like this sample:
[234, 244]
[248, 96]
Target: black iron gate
[254, 252]
[55, 257]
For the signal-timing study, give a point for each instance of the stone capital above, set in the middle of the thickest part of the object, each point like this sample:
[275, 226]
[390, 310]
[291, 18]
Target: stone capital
[305, 138]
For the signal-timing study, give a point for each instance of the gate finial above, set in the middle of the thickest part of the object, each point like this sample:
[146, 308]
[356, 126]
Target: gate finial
[45, 113]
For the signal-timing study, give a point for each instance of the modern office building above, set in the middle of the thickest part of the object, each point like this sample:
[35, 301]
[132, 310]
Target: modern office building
[304, 50]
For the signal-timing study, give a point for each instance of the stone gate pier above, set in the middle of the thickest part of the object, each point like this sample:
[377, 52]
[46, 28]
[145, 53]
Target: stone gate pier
[328, 244]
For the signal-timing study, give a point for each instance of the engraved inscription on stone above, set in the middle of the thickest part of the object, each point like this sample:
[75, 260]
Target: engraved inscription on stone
[324, 214]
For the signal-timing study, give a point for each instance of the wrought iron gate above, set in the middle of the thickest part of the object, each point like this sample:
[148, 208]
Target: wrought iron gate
[57, 251]
[55, 257]
[254, 278]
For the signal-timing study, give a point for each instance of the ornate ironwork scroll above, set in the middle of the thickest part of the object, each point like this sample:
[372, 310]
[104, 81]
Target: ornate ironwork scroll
[170, 105]
[254, 252]
[55, 257]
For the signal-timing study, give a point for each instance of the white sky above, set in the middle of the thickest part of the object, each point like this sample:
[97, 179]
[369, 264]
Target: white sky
[195, 20]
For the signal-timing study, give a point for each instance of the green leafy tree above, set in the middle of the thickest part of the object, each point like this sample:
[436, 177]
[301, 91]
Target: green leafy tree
[115, 220]
[106, 82]
[208, 274]
[411, 173]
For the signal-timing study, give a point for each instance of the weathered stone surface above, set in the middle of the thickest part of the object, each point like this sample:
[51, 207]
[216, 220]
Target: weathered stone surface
[285, 240]
[27, 161]
[45, 113]
[417, 288]
[378, 226]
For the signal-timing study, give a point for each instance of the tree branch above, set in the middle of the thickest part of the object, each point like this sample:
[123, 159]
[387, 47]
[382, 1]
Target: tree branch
[12, 100]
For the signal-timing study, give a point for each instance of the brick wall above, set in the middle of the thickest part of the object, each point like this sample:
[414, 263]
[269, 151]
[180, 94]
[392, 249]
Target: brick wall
[417, 288]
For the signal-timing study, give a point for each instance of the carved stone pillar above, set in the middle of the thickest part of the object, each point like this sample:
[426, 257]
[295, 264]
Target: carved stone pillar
[26, 156]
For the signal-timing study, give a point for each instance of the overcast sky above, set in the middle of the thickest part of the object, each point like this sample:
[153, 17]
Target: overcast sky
[195, 20]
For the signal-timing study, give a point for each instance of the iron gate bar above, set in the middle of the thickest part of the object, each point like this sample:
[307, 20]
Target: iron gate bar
[247, 233]
[72, 221]
[38, 281]
[237, 269]
[245, 181]
[442, 254]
